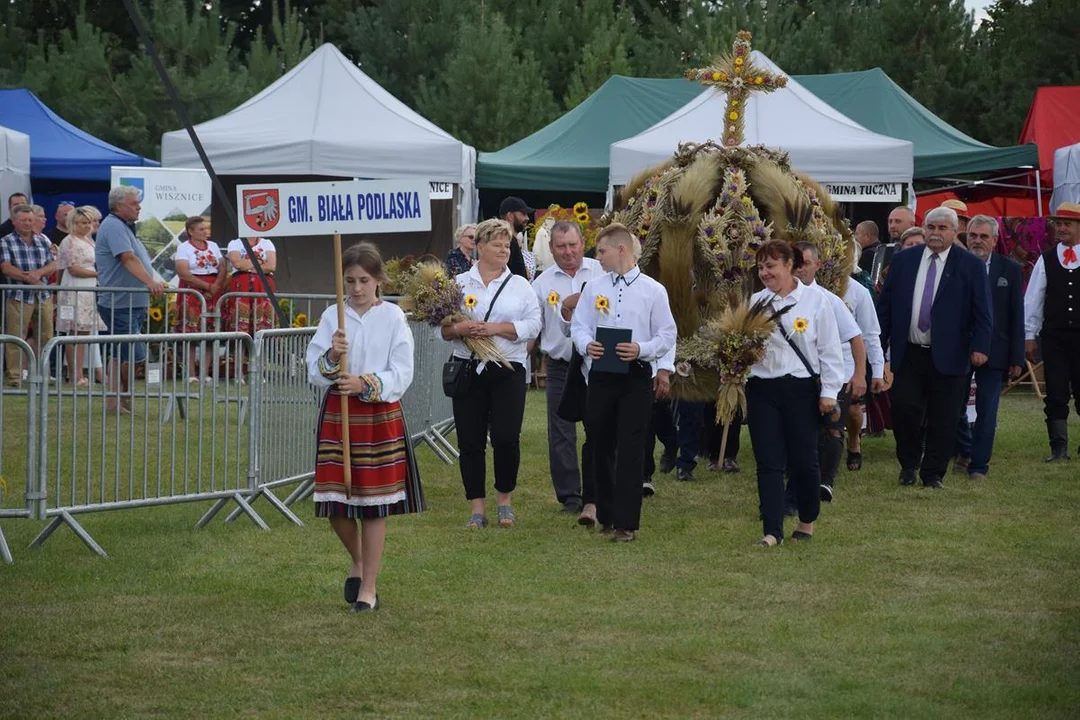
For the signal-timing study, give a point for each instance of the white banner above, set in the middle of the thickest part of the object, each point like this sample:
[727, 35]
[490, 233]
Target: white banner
[865, 192]
[326, 208]
[442, 190]
[169, 196]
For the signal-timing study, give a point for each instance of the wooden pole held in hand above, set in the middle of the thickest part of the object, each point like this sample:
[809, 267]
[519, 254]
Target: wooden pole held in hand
[346, 444]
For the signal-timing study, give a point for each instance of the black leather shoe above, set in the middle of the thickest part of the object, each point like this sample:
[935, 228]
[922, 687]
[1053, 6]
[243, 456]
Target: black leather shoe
[572, 506]
[799, 535]
[666, 464]
[1058, 456]
[907, 477]
[352, 589]
[362, 607]
[933, 483]
[684, 475]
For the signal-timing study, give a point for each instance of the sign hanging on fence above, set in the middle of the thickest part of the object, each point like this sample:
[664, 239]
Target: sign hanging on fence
[326, 208]
[865, 192]
[169, 196]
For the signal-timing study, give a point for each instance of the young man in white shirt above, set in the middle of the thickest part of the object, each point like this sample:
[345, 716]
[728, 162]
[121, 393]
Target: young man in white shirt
[619, 401]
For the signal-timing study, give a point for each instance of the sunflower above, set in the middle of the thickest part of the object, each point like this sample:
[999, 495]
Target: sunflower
[583, 219]
[553, 298]
[800, 325]
[602, 303]
[300, 320]
[156, 314]
[733, 115]
[297, 324]
[470, 302]
[581, 208]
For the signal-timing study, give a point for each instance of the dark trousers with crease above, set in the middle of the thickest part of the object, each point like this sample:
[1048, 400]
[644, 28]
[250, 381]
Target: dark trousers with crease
[920, 392]
[562, 436]
[782, 414]
[714, 433]
[617, 422]
[830, 444]
[1061, 368]
[493, 405]
[662, 428]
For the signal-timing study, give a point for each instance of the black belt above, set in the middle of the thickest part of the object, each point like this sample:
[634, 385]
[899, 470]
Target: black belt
[557, 361]
[918, 346]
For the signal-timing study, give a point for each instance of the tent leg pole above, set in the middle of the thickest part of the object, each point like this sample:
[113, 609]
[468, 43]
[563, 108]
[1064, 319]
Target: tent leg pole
[1038, 191]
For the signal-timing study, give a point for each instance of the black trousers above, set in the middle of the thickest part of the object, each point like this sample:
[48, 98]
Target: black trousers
[617, 422]
[784, 422]
[662, 428]
[920, 392]
[1061, 367]
[714, 435]
[495, 405]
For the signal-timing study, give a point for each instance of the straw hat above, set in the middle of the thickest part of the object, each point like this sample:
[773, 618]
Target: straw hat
[1066, 211]
[959, 206]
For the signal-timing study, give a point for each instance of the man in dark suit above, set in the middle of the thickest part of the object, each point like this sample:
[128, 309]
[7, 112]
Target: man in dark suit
[1006, 347]
[935, 318]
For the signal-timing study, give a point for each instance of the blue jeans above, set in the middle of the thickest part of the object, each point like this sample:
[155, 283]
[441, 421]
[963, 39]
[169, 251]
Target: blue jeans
[978, 444]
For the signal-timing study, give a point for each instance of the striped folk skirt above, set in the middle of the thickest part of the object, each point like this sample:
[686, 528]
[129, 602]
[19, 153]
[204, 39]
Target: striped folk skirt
[385, 478]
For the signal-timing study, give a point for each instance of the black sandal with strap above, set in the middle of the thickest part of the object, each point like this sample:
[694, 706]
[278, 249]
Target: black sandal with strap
[854, 461]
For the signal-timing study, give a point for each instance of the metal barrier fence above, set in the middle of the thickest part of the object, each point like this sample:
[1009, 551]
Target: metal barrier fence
[17, 497]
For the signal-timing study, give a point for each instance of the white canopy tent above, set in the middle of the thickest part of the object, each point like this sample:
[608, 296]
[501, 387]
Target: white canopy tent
[821, 142]
[1066, 176]
[14, 166]
[326, 117]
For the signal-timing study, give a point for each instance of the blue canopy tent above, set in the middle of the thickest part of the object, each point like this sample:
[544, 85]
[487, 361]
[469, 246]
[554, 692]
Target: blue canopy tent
[66, 164]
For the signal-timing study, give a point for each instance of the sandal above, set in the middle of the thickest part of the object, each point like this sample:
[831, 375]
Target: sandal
[764, 542]
[854, 461]
[477, 521]
[800, 535]
[506, 516]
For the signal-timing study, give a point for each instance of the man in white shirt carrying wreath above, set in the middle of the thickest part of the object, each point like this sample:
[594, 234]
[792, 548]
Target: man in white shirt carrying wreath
[622, 326]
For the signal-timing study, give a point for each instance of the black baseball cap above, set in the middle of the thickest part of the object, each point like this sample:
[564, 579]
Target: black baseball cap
[514, 204]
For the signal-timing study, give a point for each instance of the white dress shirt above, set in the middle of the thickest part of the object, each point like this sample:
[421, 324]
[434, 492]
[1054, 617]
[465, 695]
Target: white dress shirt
[820, 342]
[380, 343]
[861, 304]
[554, 340]
[846, 328]
[636, 302]
[516, 304]
[1035, 296]
[915, 335]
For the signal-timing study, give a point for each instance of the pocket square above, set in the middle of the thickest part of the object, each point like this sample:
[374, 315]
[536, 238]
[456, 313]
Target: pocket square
[1002, 282]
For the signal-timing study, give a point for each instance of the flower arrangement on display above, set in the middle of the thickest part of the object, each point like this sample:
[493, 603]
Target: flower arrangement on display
[435, 298]
[162, 313]
[703, 215]
[397, 270]
[579, 213]
[293, 317]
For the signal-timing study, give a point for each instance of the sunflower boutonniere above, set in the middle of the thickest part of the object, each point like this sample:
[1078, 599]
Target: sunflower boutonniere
[553, 298]
[602, 303]
[800, 325]
[470, 302]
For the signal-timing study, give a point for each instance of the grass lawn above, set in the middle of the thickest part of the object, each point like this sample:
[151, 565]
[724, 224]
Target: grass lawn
[908, 603]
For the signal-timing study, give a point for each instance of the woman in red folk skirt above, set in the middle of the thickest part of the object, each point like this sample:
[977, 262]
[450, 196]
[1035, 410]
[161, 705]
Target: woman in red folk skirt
[369, 364]
[249, 314]
[202, 268]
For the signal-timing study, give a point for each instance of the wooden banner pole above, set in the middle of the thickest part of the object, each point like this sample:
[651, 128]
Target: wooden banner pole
[346, 443]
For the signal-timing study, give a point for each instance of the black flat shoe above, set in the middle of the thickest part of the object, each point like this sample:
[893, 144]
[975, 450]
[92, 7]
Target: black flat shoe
[362, 607]
[854, 461]
[352, 589]
[799, 535]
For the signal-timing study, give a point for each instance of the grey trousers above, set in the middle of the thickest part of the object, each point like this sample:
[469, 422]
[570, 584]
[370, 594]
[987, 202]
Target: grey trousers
[562, 437]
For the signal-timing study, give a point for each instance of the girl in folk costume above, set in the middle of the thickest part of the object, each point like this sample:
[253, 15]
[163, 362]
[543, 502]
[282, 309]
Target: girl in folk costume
[370, 365]
[201, 267]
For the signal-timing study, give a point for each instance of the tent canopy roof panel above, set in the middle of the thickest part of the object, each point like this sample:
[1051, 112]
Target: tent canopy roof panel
[821, 142]
[58, 149]
[872, 99]
[324, 117]
[1053, 122]
[572, 152]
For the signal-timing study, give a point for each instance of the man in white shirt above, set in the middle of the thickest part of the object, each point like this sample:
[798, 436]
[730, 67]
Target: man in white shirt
[1052, 312]
[831, 440]
[558, 289]
[621, 387]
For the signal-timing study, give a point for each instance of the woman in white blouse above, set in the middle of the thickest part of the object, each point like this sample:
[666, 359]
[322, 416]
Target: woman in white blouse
[370, 364]
[495, 398]
[790, 391]
[201, 268]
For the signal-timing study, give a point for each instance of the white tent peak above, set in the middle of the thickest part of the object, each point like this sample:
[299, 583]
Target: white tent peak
[822, 142]
[326, 117]
[14, 166]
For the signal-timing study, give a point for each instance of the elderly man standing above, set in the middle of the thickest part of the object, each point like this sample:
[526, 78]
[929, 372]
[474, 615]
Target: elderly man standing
[25, 259]
[1006, 347]
[122, 261]
[558, 289]
[1052, 311]
[936, 319]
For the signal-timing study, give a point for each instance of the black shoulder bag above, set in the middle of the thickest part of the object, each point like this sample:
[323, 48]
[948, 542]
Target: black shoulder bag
[458, 374]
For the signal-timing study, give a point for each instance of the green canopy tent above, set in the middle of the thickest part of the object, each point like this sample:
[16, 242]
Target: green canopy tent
[873, 100]
[571, 154]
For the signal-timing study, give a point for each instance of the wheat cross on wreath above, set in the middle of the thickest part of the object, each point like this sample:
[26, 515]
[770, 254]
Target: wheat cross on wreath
[737, 76]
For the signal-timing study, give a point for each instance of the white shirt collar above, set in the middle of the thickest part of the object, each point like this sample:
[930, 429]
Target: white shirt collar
[474, 273]
[628, 277]
[942, 256]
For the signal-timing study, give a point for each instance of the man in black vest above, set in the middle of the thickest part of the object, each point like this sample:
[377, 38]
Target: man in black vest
[1052, 311]
[514, 211]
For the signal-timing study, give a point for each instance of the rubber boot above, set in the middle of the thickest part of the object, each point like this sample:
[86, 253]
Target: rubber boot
[1058, 431]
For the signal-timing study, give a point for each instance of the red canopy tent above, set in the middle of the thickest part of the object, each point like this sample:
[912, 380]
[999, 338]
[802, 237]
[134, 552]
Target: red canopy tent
[1052, 122]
